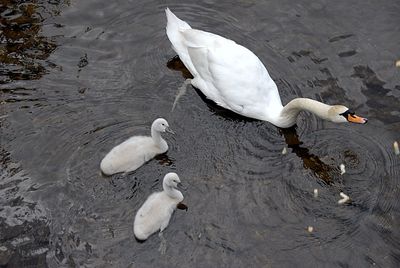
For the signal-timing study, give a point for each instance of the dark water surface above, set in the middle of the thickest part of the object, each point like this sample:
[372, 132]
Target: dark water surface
[78, 77]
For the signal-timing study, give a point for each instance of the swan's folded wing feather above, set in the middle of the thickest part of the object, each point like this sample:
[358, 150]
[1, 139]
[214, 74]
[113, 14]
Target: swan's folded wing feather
[199, 38]
[194, 41]
[241, 77]
[235, 78]
[203, 79]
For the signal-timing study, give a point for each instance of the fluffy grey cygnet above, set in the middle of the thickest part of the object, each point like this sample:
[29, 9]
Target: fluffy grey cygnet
[137, 150]
[157, 210]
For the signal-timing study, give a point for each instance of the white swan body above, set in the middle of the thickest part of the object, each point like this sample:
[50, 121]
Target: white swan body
[134, 152]
[157, 210]
[234, 77]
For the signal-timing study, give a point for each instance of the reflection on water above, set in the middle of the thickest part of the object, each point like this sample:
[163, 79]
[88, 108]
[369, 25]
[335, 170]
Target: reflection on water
[24, 226]
[79, 77]
[310, 161]
[387, 105]
[24, 49]
[176, 64]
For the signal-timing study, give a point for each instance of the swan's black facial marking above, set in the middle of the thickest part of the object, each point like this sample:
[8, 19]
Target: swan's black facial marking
[347, 113]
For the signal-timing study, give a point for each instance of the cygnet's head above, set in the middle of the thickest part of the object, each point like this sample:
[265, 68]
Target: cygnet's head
[160, 125]
[171, 180]
[341, 114]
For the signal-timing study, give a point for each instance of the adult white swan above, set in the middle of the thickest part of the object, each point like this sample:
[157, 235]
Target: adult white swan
[134, 152]
[234, 78]
[157, 210]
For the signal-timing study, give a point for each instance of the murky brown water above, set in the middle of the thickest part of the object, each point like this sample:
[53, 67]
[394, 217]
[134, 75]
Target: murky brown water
[78, 77]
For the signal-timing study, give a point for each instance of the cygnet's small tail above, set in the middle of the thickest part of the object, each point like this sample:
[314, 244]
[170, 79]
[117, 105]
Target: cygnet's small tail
[106, 166]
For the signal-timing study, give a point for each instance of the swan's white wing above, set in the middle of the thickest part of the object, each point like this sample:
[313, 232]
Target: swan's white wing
[230, 74]
[203, 78]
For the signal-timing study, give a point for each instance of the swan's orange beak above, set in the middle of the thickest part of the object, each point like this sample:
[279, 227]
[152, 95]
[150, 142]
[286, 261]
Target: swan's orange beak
[356, 119]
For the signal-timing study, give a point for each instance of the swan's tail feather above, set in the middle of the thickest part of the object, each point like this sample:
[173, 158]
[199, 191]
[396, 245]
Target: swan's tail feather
[175, 28]
[174, 24]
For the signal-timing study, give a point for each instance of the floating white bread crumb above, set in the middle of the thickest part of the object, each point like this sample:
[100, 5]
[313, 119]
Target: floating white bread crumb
[284, 151]
[342, 169]
[344, 199]
[398, 63]
[310, 229]
[315, 193]
[396, 148]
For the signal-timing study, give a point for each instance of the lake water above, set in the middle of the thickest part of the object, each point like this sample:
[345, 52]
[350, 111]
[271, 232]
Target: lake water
[79, 77]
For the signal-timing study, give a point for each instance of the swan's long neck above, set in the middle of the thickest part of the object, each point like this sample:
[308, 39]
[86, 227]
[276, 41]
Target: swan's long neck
[291, 110]
[172, 192]
[158, 140]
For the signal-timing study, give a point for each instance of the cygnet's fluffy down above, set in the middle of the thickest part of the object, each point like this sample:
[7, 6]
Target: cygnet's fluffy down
[156, 212]
[134, 152]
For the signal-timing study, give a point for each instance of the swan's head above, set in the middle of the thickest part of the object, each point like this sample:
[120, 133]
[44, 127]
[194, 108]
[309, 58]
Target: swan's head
[171, 180]
[341, 114]
[161, 125]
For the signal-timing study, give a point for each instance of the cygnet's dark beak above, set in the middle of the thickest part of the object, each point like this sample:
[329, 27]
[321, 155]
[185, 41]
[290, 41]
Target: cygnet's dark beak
[182, 206]
[180, 186]
[168, 130]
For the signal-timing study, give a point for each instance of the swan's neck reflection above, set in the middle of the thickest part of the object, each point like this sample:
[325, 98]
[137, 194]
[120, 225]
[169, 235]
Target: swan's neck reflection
[310, 161]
